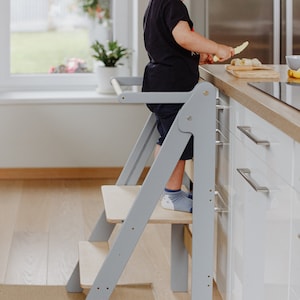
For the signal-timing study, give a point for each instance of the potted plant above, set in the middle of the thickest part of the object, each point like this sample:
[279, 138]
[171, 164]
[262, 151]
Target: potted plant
[108, 63]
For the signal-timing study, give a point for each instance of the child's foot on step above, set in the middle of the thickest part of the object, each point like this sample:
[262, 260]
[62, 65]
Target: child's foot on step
[177, 200]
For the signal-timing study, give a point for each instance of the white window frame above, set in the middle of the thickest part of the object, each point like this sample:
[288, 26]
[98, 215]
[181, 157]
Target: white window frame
[33, 82]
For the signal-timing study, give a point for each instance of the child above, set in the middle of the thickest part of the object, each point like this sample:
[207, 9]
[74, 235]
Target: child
[175, 51]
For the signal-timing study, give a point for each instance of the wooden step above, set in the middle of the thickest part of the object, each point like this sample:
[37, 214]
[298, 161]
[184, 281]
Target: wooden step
[119, 199]
[92, 256]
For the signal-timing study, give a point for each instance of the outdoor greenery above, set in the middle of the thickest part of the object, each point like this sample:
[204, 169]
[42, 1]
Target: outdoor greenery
[37, 52]
[96, 9]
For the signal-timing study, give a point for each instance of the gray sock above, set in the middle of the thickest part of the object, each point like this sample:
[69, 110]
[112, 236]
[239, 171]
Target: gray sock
[177, 200]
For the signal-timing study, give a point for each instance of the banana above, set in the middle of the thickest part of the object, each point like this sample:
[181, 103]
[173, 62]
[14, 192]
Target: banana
[294, 73]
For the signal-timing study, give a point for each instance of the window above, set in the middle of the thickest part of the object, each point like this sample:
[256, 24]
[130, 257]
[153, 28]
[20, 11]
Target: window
[37, 36]
[54, 35]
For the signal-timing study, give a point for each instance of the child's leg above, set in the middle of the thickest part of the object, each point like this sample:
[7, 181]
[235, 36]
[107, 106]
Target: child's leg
[174, 198]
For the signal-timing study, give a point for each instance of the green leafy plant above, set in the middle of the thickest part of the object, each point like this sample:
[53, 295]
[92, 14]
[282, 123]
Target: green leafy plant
[109, 55]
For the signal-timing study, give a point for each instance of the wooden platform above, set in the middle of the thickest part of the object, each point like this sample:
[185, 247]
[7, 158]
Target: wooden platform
[119, 199]
[92, 256]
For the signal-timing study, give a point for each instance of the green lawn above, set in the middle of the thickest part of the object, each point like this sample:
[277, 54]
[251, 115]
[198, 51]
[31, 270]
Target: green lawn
[36, 52]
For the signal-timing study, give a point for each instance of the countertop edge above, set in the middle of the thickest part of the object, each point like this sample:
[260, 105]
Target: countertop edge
[278, 114]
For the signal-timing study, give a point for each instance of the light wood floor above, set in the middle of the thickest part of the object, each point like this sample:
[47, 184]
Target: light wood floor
[41, 222]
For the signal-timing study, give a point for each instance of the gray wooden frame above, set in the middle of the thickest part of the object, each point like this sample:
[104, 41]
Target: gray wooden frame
[198, 118]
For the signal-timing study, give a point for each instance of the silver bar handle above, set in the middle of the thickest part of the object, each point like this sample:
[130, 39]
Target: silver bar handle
[247, 131]
[220, 106]
[246, 174]
[220, 208]
[219, 142]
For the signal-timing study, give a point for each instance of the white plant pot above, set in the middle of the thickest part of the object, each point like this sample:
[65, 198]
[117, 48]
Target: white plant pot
[104, 75]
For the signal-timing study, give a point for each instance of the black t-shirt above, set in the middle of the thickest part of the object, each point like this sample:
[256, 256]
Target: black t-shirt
[171, 67]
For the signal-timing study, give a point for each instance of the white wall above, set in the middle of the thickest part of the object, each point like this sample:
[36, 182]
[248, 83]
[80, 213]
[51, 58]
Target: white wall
[68, 135]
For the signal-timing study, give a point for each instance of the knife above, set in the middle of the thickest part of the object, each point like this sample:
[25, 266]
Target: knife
[236, 50]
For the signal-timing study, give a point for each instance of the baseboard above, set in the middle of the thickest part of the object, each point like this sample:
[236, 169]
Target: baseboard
[62, 173]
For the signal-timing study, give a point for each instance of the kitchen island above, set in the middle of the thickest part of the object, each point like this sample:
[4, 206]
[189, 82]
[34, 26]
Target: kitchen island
[257, 228]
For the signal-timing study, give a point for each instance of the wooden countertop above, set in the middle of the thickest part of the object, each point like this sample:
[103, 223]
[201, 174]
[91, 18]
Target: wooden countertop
[285, 118]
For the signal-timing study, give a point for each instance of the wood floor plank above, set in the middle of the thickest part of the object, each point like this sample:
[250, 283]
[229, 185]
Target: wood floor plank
[27, 262]
[10, 194]
[37, 292]
[133, 293]
[26, 292]
[66, 229]
[157, 254]
[92, 203]
[35, 207]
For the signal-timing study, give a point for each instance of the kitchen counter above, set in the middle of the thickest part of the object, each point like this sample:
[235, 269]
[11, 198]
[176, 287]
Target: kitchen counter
[285, 118]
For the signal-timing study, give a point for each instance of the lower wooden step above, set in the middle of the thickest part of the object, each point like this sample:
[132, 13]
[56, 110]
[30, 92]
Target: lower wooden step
[119, 199]
[92, 256]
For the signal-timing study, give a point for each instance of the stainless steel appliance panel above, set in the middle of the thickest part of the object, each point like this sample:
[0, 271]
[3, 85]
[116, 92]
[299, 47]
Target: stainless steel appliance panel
[234, 21]
[271, 26]
[290, 28]
[296, 27]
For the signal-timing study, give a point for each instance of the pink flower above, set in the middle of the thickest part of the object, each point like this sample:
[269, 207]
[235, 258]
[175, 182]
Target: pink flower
[51, 70]
[73, 65]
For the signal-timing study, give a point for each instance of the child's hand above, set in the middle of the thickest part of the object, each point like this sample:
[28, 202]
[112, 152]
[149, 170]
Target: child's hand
[224, 52]
[205, 58]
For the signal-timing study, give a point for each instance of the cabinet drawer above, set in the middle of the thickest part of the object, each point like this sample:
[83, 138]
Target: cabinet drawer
[270, 144]
[261, 224]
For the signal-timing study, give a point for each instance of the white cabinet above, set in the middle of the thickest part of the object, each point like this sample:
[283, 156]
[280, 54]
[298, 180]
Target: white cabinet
[258, 240]
[295, 243]
[295, 250]
[261, 221]
[297, 167]
[264, 210]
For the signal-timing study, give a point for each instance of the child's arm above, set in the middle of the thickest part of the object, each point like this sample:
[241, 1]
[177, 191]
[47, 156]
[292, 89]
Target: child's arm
[195, 42]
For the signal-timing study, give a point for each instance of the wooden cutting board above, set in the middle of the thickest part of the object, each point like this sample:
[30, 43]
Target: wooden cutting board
[252, 72]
